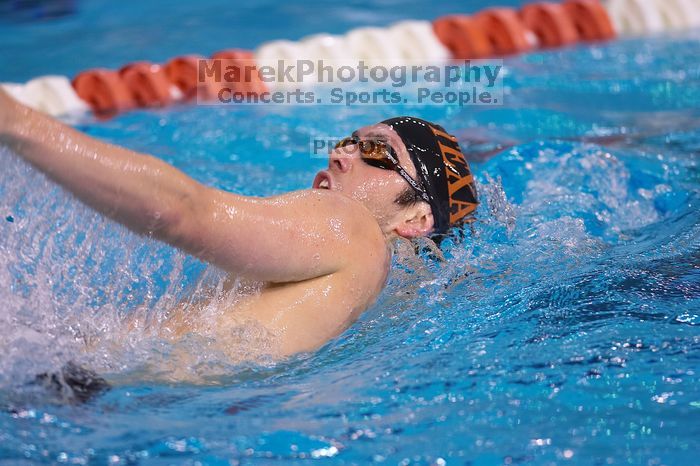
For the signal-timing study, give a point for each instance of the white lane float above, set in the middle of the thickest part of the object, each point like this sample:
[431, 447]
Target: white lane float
[672, 14]
[279, 55]
[325, 46]
[635, 17]
[332, 50]
[416, 40]
[53, 95]
[17, 92]
[643, 17]
[679, 14]
[372, 44]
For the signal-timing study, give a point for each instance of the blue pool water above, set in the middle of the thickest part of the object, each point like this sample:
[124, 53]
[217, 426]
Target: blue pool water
[565, 328]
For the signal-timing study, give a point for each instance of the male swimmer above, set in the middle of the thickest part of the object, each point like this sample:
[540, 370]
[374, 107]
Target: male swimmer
[323, 254]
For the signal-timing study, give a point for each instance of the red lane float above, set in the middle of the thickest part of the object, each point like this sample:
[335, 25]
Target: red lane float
[505, 30]
[462, 36]
[590, 19]
[104, 91]
[183, 72]
[550, 23]
[148, 84]
[247, 78]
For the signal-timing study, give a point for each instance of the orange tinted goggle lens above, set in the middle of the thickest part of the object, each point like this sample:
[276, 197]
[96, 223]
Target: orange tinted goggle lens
[345, 142]
[373, 153]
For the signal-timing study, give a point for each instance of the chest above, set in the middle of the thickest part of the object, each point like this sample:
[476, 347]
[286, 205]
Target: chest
[304, 315]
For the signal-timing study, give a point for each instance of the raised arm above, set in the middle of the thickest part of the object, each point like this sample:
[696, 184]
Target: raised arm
[292, 237]
[286, 238]
[140, 191]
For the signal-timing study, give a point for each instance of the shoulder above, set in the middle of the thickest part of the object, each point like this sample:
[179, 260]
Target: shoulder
[343, 221]
[290, 237]
[346, 218]
[358, 236]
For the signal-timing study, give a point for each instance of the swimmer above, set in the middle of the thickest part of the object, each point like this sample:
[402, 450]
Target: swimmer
[323, 254]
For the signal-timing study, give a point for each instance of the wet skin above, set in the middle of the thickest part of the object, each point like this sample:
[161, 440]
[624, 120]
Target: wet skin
[323, 254]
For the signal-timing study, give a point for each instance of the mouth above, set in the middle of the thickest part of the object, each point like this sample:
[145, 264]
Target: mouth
[323, 181]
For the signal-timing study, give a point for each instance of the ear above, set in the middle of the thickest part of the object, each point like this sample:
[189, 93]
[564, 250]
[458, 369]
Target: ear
[417, 222]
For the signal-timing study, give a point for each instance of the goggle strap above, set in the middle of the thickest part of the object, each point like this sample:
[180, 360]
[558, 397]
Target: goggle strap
[404, 174]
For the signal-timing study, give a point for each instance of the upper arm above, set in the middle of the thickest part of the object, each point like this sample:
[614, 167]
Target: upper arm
[292, 237]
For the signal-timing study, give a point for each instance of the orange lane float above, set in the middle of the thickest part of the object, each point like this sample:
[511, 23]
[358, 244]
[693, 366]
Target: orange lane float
[590, 19]
[148, 84]
[550, 23]
[183, 72]
[506, 32]
[104, 91]
[247, 78]
[462, 36]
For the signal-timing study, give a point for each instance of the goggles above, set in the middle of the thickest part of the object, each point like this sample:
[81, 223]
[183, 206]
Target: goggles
[377, 153]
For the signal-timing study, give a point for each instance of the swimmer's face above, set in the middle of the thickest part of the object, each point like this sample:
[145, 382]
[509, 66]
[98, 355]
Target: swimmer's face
[376, 188]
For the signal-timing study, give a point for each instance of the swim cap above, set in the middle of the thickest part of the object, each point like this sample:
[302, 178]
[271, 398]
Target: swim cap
[441, 168]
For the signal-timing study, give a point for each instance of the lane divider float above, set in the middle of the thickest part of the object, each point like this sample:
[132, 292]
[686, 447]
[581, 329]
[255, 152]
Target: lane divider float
[183, 72]
[104, 91]
[506, 32]
[148, 84]
[242, 64]
[371, 43]
[590, 19]
[491, 33]
[635, 18]
[53, 95]
[463, 36]
[551, 23]
[415, 40]
[643, 17]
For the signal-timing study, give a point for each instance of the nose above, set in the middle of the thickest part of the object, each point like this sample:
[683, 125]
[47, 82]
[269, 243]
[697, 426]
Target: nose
[341, 159]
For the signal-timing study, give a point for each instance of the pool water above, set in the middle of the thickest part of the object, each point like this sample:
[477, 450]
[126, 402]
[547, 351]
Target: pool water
[563, 328]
